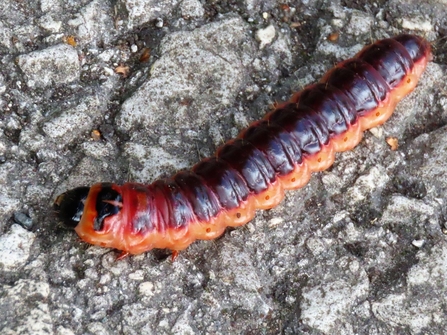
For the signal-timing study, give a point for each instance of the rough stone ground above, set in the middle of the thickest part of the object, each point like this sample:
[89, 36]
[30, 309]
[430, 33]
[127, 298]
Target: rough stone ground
[359, 250]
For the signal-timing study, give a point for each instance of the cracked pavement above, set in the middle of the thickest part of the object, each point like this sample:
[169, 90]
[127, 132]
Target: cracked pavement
[359, 250]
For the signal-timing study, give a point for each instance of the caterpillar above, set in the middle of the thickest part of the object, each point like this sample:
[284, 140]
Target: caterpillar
[251, 172]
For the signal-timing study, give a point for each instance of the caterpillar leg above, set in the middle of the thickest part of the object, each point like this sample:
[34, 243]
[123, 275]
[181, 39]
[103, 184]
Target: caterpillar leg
[122, 255]
[174, 255]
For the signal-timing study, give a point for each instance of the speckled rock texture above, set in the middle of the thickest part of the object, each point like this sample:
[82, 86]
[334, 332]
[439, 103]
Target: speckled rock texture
[137, 89]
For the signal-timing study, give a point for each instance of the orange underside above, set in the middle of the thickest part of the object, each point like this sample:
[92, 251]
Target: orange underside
[118, 234]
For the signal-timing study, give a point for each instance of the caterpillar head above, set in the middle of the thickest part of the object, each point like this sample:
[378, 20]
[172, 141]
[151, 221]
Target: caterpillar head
[94, 212]
[69, 206]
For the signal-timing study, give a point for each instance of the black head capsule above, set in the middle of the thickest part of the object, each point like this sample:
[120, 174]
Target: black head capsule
[69, 206]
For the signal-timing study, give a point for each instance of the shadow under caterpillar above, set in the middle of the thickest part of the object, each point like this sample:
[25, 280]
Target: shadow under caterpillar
[252, 171]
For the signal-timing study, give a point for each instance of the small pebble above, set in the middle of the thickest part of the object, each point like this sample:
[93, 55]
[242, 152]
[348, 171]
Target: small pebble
[24, 220]
[265, 36]
[159, 23]
[418, 243]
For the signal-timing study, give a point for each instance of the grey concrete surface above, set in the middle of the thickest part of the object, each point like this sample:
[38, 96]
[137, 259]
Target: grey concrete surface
[360, 250]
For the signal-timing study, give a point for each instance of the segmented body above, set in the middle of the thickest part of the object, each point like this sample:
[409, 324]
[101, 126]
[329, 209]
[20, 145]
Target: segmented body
[274, 154]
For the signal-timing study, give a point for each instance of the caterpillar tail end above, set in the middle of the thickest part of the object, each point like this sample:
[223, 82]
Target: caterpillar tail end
[69, 206]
